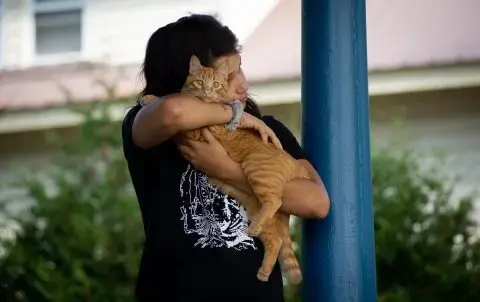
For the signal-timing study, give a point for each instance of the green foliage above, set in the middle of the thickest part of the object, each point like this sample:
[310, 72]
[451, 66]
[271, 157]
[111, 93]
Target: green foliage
[427, 243]
[82, 238]
[427, 246]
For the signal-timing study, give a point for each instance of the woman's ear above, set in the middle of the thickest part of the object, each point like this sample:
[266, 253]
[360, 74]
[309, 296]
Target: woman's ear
[195, 64]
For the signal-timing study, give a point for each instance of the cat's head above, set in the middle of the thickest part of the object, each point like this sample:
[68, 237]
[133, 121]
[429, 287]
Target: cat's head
[208, 84]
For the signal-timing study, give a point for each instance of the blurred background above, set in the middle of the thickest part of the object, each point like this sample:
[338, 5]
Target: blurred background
[70, 228]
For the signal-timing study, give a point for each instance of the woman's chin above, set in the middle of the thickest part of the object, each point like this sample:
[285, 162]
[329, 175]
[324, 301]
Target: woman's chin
[244, 99]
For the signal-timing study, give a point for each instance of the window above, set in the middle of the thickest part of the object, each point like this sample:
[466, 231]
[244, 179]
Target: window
[58, 26]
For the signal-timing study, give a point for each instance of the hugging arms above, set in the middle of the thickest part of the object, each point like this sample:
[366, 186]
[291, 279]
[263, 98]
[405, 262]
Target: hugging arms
[165, 117]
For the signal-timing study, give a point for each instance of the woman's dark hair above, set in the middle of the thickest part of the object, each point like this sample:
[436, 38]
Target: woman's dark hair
[170, 47]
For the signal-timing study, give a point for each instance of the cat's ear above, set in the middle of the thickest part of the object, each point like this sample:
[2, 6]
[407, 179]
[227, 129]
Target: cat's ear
[195, 64]
[223, 68]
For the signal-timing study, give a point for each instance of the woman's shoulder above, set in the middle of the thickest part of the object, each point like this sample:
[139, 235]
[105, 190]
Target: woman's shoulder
[277, 126]
[129, 146]
[270, 119]
[286, 137]
[131, 112]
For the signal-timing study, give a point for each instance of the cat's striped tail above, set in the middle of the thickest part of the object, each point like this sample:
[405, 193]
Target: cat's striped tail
[287, 259]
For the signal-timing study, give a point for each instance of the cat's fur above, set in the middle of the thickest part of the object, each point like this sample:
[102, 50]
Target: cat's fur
[267, 168]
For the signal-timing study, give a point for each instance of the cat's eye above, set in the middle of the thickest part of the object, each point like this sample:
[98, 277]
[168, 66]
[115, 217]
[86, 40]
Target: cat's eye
[198, 82]
[216, 84]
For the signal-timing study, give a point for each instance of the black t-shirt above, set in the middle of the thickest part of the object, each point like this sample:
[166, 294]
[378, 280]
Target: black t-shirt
[196, 246]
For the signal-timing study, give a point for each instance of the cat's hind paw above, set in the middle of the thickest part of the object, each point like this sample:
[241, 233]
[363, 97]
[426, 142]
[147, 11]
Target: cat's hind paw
[262, 275]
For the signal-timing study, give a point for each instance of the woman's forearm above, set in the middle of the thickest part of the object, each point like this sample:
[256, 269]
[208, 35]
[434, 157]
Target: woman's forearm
[303, 198]
[165, 117]
[194, 114]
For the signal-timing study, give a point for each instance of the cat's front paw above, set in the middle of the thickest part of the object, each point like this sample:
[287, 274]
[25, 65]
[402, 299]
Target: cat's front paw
[254, 229]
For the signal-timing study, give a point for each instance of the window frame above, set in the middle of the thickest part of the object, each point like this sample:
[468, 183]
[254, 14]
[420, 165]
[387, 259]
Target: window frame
[57, 7]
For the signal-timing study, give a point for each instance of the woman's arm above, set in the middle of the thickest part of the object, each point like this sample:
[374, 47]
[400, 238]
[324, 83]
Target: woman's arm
[303, 198]
[160, 120]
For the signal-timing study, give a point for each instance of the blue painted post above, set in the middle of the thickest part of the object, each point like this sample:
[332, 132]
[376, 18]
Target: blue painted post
[339, 252]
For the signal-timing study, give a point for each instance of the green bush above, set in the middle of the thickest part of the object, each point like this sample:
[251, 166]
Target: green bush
[427, 246]
[82, 238]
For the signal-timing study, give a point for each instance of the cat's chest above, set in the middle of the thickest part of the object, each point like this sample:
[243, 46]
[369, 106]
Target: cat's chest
[220, 132]
[238, 143]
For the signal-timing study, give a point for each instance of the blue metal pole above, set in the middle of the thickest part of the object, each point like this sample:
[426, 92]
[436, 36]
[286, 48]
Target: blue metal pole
[339, 252]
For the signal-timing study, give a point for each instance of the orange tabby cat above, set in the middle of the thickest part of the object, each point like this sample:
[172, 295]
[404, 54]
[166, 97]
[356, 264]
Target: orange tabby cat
[267, 168]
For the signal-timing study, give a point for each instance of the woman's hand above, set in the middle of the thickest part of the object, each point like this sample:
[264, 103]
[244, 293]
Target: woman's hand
[267, 134]
[209, 157]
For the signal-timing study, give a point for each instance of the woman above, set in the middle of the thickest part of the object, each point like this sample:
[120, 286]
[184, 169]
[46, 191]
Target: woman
[196, 246]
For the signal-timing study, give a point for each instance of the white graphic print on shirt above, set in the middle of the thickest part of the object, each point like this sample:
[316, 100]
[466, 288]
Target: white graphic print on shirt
[214, 217]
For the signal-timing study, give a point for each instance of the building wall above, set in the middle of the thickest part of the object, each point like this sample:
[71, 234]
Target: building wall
[112, 30]
[118, 30]
[115, 31]
[25, 152]
[445, 122]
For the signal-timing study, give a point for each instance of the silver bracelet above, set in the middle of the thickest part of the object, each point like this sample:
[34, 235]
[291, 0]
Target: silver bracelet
[237, 110]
